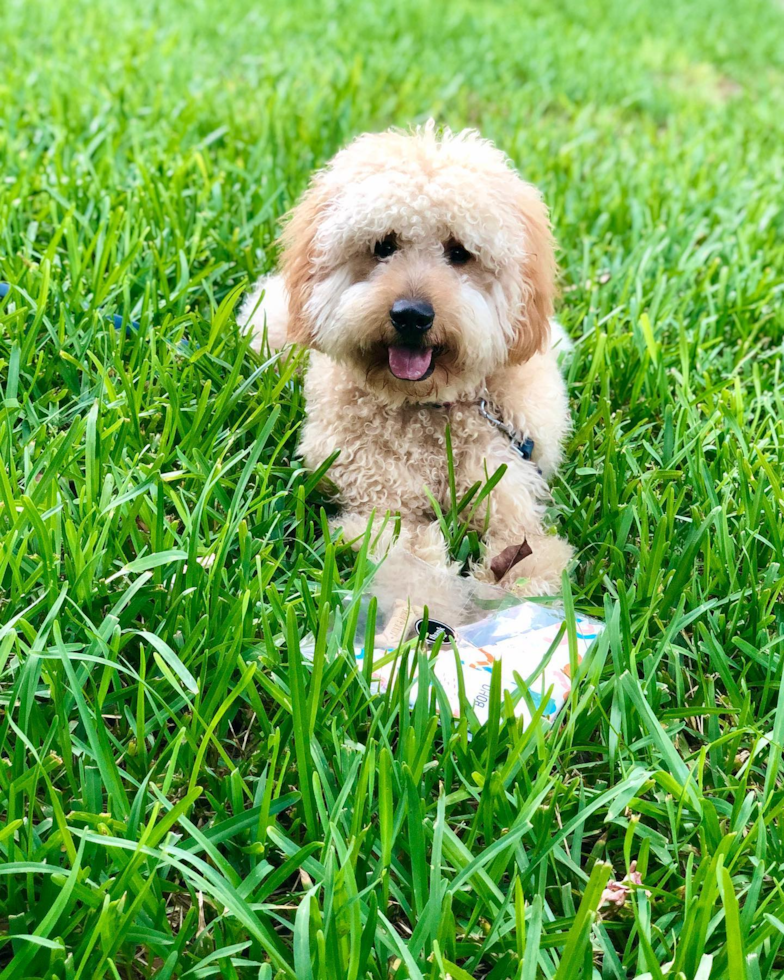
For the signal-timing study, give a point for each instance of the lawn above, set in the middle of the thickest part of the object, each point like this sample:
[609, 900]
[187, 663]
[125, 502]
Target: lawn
[181, 793]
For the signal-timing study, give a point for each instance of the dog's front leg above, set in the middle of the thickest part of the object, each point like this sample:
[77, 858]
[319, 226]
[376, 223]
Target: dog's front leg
[515, 516]
[387, 531]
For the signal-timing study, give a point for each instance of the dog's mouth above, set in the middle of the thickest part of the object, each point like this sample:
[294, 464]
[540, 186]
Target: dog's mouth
[411, 363]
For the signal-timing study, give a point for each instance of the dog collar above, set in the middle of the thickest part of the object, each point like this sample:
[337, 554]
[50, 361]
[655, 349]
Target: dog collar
[523, 447]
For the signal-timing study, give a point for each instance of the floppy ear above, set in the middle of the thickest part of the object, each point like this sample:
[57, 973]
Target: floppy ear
[532, 329]
[298, 263]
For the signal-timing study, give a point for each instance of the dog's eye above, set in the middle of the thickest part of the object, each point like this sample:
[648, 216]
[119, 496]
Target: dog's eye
[456, 254]
[386, 247]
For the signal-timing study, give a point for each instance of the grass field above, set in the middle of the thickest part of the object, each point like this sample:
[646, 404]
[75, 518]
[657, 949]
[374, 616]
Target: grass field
[180, 794]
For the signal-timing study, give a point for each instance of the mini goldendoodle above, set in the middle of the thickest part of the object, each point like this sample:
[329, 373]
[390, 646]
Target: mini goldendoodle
[419, 270]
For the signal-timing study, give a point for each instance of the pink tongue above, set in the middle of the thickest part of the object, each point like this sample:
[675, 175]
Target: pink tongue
[410, 363]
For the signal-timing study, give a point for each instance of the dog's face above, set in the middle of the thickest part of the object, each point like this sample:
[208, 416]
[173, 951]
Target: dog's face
[423, 262]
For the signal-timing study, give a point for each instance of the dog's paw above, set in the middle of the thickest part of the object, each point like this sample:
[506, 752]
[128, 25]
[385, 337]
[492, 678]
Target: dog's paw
[423, 540]
[538, 573]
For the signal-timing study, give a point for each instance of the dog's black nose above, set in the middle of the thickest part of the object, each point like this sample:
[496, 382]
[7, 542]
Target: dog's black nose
[412, 315]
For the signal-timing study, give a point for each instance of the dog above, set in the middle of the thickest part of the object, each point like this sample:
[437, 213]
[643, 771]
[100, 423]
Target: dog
[419, 269]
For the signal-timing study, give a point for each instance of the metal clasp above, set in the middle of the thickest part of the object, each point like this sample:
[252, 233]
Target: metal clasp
[524, 448]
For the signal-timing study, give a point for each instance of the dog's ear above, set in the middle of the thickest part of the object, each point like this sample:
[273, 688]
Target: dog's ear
[538, 271]
[298, 262]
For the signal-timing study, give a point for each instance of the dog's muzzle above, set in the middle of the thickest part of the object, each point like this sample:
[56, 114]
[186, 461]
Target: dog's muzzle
[411, 359]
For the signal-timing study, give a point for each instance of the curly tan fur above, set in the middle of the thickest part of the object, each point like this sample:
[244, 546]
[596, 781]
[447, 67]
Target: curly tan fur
[299, 266]
[538, 274]
[492, 334]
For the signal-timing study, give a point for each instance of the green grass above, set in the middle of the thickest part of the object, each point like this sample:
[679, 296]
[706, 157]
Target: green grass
[181, 794]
